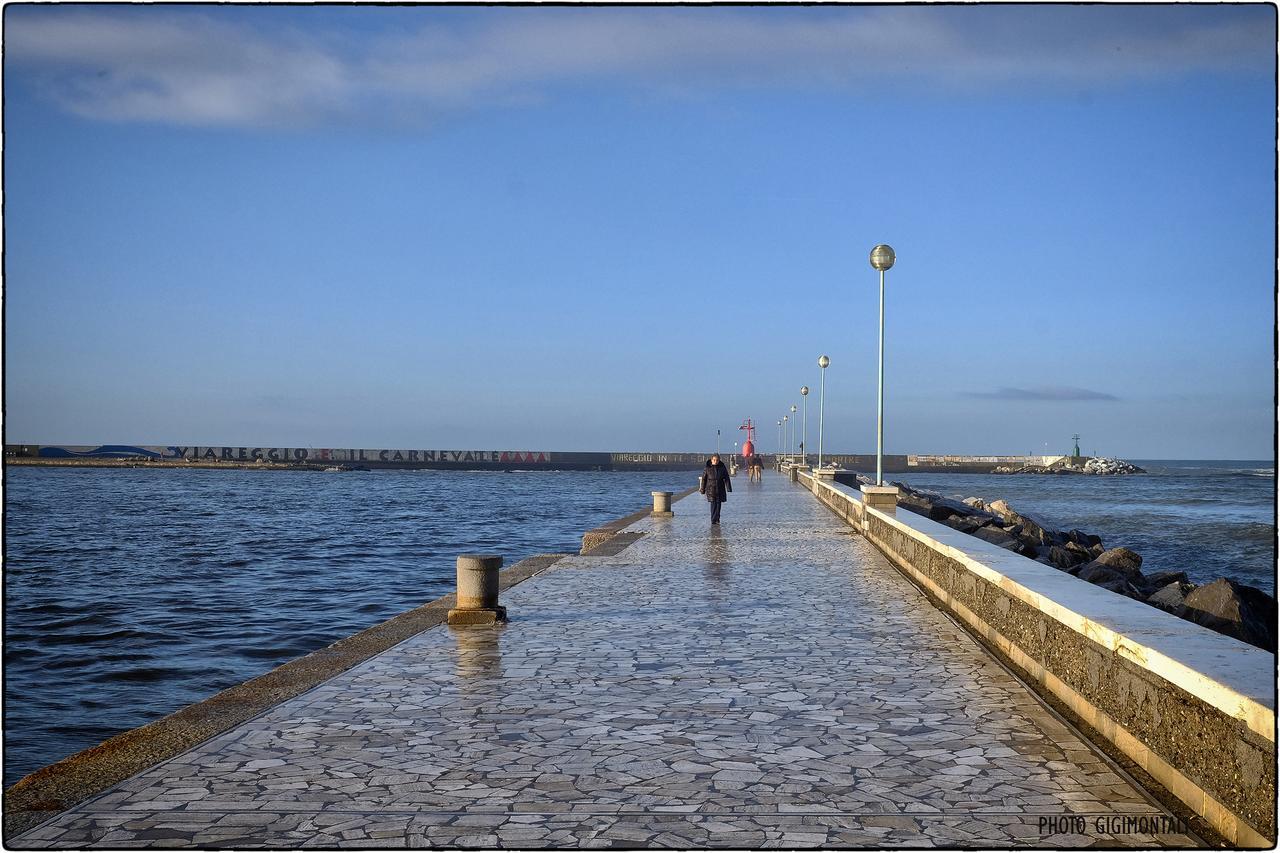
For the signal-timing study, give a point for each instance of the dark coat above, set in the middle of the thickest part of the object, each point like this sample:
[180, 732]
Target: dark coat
[715, 482]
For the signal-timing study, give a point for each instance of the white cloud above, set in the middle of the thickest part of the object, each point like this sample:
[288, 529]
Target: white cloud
[189, 67]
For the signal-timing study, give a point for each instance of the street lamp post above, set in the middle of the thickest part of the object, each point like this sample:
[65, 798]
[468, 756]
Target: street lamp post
[823, 361]
[786, 443]
[804, 434]
[792, 448]
[882, 258]
[779, 440]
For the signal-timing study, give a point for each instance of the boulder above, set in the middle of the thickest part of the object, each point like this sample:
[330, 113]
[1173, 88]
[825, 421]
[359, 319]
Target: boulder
[1171, 597]
[966, 523]
[1000, 508]
[1028, 549]
[1097, 573]
[914, 504]
[1162, 579]
[1123, 587]
[934, 505]
[1109, 579]
[1059, 557]
[1085, 540]
[1122, 561]
[1035, 528]
[976, 503]
[940, 509]
[996, 536]
[1234, 609]
[1079, 551]
[1102, 465]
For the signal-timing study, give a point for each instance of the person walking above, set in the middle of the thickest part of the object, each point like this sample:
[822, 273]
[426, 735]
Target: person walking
[716, 484]
[755, 468]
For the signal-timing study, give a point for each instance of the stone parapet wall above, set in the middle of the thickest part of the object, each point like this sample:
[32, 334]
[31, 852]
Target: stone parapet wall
[1193, 708]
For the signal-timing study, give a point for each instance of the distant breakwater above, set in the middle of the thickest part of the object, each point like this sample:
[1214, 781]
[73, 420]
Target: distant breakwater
[342, 458]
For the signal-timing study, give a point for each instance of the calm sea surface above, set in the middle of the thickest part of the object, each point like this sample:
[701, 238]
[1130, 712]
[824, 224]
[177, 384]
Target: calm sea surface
[131, 593]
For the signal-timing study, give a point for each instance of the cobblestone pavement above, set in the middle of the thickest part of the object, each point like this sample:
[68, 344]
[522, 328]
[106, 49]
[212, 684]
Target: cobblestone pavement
[773, 683]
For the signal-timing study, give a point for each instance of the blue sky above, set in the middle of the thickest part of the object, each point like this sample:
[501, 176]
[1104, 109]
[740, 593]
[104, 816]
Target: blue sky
[621, 229]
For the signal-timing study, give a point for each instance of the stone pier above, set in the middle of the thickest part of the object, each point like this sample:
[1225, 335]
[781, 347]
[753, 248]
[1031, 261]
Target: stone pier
[774, 682]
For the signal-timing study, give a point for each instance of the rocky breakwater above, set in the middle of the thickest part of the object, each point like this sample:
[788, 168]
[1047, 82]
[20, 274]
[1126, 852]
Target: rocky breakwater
[1225, 605]
[1094, 465]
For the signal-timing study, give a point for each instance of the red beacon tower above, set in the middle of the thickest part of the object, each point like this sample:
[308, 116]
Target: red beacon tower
[748, 446]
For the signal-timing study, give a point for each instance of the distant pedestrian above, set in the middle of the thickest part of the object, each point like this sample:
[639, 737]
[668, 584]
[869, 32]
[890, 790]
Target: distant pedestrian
[755, 468]
[716, 484]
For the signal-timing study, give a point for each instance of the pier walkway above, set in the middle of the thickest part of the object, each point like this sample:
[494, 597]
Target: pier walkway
[772, 683]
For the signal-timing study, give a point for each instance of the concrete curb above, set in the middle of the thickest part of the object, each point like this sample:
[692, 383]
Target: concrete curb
[608, 539]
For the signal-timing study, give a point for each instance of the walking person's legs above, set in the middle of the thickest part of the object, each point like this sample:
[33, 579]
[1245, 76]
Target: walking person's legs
[715, 512]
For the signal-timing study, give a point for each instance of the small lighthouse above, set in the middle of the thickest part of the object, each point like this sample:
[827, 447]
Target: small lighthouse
[748, 446]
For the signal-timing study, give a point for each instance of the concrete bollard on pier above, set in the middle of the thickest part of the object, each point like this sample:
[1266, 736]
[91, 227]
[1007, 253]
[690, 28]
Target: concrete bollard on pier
[478, 591]
[662, 504]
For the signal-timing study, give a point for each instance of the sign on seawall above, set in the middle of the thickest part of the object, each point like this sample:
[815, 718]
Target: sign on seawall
[293, 454]
[364, 457]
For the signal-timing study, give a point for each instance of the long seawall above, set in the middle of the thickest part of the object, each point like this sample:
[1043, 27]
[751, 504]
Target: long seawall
[117, 455]
[1192, 708]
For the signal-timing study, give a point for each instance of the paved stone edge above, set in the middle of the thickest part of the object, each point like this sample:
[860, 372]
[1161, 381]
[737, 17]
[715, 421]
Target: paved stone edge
[62, 785]
[599, 541]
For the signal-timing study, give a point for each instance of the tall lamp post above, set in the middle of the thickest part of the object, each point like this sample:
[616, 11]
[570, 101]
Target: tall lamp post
[785, 433]
[882, 258]
[779, 439]
[793, 433]
[804, 434]
[823, 361]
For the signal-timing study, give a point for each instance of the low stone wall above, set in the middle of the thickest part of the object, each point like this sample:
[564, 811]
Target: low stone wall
[1193, 708]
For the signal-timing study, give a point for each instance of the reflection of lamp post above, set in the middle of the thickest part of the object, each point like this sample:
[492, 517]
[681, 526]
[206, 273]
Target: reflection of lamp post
[882, 258]
[804, 435]
[823, 361]
[792, 447]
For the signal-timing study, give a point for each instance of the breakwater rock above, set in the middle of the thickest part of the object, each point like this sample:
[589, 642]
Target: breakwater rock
[1226, 606]
[1093, 465]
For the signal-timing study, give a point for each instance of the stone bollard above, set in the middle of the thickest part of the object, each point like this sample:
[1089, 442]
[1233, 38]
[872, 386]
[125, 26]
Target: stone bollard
[793, 472]
[826, 473]
[478, 591]
[662, 504]
[883, 498]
